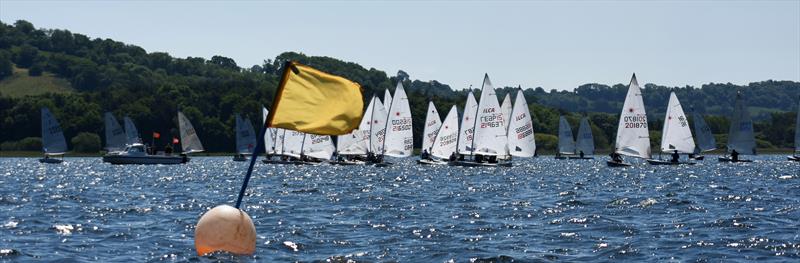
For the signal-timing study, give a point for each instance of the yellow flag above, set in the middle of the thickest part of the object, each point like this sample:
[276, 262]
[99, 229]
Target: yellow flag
[312, 101]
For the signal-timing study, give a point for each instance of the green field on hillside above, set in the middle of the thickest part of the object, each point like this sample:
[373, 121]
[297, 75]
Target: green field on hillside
[20, 84]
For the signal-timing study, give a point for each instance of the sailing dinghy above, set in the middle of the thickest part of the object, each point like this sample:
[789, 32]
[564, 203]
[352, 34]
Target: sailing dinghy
[521, 139]
[676, 137]
[489, 136]
[115, 135]
[796, 156]
[53, 142]
[245, 138]
[740, 134]
[633, 138]
[446, 141]
[566, 145]
[432, 125]
[584, 145]
[705, 139]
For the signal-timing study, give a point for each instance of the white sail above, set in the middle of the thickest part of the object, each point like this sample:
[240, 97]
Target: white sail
[245, 136]
[189, 140]
[131, 134]
[466, 132]
[357, 142]
[278, 141]
[318, 146]
[633, 139]
[585, 142]
[292, 144]
[432, 124]
[387, 97]
[377, 127]
[705, 139]
[490, 135]
[269, 143]
[566, 143]
[521, 138]
[399, 140]
[676, 135]
[53, 142]
[446, 139]
[740, 134]
[506, 108]
[115, 135]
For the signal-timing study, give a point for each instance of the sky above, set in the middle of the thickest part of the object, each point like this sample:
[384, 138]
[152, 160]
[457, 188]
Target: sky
[549, 44]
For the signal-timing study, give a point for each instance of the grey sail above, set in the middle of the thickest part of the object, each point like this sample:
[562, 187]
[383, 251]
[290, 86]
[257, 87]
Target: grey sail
[245, 136]
[115, 135]
[53, 142]
[740, 134]
[585, 142]
[705, 139]
[566, 143]
[131, 134]
[190, 143]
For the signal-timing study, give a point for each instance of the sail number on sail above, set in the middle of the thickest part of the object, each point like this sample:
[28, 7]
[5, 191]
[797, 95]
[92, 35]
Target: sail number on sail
[493, 120]
[524, 131]
[636, 121]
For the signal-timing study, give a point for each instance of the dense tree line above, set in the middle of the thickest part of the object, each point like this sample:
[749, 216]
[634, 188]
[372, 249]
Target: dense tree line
[151, 87]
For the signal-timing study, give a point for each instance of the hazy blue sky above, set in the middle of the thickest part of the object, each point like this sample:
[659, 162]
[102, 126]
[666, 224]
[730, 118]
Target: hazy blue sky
[555, 45]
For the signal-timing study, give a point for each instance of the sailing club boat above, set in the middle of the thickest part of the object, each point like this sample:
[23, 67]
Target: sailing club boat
[446, 141]
[796, 156]
[566, 145]
[585, 142]
[521, 138]
[740, 134]
[432, 126]
[489, 137]
[705, 139]
[53, 142]
[136, 153]
[676, 137]
[245, 138]
[115, 135]
[633, 138]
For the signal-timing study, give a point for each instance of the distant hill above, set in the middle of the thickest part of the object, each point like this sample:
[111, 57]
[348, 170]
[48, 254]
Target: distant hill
[83, 77]
[21, 84]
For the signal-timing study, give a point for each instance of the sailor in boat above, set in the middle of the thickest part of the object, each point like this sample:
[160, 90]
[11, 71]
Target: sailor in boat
[615, 157]
[558, 154]
[478, 158]
[734, 155]
[453, 157]
[675, 156]
[492, 159]
[168, 150]
[425, 155]
[580, 154]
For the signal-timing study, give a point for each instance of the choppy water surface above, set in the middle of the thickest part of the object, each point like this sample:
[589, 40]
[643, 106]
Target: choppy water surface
[539, 210]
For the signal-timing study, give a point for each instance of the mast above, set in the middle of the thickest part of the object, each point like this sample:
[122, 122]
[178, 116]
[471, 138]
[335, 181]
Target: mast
[386, 125]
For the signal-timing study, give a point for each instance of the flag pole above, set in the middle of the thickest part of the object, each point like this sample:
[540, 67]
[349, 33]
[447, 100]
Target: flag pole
[260, 139]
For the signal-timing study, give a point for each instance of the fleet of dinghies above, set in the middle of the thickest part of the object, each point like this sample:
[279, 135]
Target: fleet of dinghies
[489, 133]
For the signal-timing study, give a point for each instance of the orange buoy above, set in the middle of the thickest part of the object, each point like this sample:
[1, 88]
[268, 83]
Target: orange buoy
[225, 228]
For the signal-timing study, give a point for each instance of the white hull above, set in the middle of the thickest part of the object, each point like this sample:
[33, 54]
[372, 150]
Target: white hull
[477, 164]
[51, 160]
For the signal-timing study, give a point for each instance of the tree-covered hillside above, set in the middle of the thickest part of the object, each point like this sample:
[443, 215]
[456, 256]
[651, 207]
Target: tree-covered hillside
[98, 75]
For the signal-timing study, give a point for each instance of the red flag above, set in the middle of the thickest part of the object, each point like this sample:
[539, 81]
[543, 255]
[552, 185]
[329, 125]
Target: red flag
[175, 140]
[156, 135]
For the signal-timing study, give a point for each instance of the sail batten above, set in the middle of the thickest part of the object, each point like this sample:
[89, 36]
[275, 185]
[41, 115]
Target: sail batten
[633, 138]
[676, 135]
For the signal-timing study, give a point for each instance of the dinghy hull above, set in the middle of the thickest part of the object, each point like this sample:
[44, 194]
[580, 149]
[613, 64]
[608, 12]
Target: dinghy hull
[729, 160]
[150, 159]
[580, 158]
[617, 164]
[431, 162]
[476, 164]
[794, 158]
[50, 160]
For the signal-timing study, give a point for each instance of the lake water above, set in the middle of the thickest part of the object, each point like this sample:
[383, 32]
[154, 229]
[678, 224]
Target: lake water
[539, 210]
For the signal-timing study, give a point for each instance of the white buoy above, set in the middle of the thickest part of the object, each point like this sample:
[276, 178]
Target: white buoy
[225, 228]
